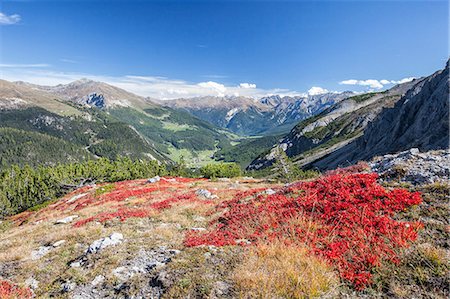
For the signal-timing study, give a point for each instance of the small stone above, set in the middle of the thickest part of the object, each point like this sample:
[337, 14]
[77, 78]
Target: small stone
[205, 194]
[68, 219]
[269, 191]
[32, 283]
[198, 229]
[154, 179]
[174, 251]
[99, 279]
[414, 151]
[76, 264]
[68, 286]
[59, 243]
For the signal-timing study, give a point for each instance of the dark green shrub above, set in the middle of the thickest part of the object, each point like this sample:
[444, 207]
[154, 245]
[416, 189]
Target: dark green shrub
[220, 170]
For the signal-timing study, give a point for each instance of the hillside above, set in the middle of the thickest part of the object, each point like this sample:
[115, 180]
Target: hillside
[413, 114]
[95, 94]
[15, 96]
[177, 238]
[97, 136]
[265, 116]
[18, 147]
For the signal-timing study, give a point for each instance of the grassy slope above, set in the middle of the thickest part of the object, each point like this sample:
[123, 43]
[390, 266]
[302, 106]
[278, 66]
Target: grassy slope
[175, 133]
[102, 136]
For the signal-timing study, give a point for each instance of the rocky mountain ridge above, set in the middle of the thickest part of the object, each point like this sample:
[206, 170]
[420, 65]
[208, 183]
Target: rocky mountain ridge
[413, 114]
[248, 116]
[420, 119]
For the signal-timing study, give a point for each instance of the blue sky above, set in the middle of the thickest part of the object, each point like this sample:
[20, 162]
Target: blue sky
[195, 47]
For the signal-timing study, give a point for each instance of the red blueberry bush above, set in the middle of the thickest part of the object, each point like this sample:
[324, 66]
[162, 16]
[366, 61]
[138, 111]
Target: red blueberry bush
[345, 218]
[10, 290]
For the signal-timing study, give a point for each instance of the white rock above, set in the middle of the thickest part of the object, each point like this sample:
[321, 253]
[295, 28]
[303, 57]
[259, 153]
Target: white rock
[68, 286]
[74, 198]
[43, 250]
[96, 246]
[58, 243]
[414, 151]
[269, 191]
[76, 264]
[205, 193]
[68, 219]
[99, 279]
[32, 283]
[154, 179]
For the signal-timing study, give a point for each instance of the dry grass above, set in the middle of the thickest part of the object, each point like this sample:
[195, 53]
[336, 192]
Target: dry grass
[277, 270]
[19, 238]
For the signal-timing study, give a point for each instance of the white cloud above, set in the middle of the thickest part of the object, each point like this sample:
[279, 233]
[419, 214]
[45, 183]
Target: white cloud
[9, 20]
[404, 80]
[217, 87]
[375, 84]
[148, 86]
[247, 85]
[316, 91]
[349, 82]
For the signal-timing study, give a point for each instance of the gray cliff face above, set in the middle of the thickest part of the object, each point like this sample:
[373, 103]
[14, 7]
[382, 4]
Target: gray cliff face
[420, 119]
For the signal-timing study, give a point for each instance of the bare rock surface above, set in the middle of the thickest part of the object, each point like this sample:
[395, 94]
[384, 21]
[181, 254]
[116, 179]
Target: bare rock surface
[98, 245]
[414, 167]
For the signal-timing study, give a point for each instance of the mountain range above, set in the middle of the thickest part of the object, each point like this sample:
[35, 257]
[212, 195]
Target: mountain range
[103, 120]
[413, 114]
[86, 119]
[264, 116]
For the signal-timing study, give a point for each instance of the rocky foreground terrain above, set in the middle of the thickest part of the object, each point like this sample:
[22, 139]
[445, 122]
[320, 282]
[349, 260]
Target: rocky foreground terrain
[340, 235]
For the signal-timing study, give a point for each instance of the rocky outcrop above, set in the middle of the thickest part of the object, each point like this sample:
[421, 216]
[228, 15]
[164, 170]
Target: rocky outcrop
[414, 167]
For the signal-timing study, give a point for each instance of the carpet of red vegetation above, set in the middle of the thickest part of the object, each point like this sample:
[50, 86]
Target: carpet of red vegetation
[142, 210]
[343, 217]
[153, 198]
[9, 290]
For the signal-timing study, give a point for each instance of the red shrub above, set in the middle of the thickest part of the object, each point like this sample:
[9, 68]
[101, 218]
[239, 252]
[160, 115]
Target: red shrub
[9, 290]
[345, 218]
